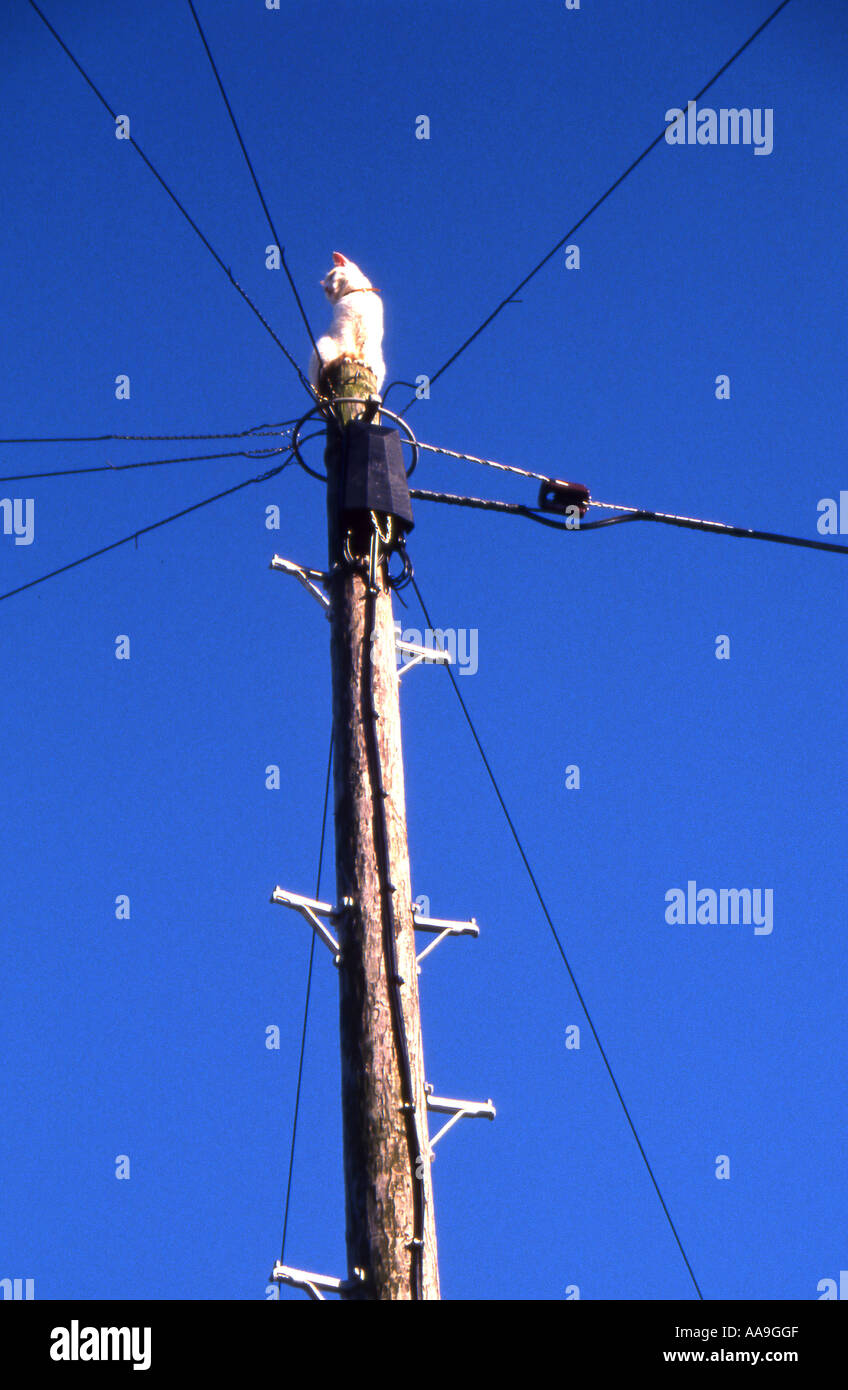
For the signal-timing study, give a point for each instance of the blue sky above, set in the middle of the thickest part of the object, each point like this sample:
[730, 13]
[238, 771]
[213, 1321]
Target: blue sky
[146, 777]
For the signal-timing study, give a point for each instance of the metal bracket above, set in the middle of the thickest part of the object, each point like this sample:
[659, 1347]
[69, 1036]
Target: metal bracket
[304, 576]
[457, 1109]
[313, 911]
[307, 577]
[442, 928]
[316, 1285]
[436, 655]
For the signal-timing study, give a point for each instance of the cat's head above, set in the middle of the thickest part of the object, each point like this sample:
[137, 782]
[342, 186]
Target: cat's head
[343, 277]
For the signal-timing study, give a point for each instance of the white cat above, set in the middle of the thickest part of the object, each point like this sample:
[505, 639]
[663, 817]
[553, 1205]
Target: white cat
[356, 332]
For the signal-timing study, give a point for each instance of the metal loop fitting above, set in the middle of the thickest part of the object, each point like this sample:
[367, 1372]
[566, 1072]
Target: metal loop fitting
[321, 409]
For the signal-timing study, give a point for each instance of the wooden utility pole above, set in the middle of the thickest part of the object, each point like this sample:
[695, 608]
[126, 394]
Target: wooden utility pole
[391, 1236]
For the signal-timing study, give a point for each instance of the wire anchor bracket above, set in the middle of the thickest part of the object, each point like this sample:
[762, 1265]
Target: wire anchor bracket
[442, 928]
[458, 1110]
[316, 1285]
[306, 577]
[313, 911]
[312, 579]
[436, 656]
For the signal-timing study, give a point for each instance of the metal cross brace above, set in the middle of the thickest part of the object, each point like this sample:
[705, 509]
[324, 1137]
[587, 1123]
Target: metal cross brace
[443, 928]
[436, 655]
[457, 1109]
[316, 1285]
[311, 579]
[313, 911]
[305, 576]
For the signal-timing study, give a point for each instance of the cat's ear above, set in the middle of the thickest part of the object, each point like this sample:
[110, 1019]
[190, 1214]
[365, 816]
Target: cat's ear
[338, 258]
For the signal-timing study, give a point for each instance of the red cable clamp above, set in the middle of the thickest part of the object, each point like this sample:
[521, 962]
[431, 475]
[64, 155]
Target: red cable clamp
[557, 496]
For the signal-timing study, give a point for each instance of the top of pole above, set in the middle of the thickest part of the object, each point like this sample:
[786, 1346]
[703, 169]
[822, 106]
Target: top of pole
[346, 377]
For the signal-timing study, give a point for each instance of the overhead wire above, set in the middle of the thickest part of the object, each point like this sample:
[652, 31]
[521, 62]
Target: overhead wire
[486, 504]
[556, 937]
[265, 452]
[255, 430]
[544, 518]
[144, 530]
[172, 195]
[489, 463]
[577, 225]
[249, 163]
[306, 1006]
[144, 463]
[720, 528]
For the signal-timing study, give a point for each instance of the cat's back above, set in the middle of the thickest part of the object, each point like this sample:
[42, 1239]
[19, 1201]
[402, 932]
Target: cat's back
[360, 307]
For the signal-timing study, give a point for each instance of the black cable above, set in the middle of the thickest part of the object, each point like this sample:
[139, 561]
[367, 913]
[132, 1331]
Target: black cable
[277, 241]
[155, 463]
[306, 1004]
[381, 843]
[146, 463]
[143, 530]
[722, 529]
[487, 505]
[172, 195]
[555, 935]
[104, 438]
[690, 523]
[392, 384]
[613, 186]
